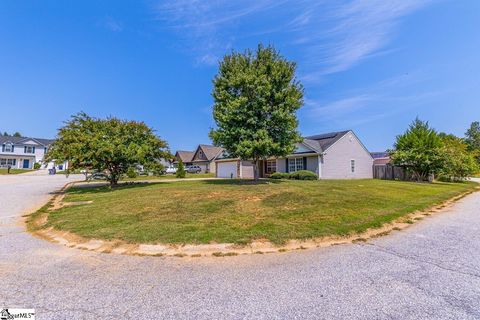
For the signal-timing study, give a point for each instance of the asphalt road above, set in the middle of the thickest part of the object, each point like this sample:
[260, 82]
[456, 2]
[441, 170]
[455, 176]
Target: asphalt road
[429, 271]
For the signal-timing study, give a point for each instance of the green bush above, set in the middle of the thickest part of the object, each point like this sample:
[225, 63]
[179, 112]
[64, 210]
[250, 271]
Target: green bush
[36, 166]
[181, 173]
[131, 172]
[303, 175]
[280, 175]
[298, 175]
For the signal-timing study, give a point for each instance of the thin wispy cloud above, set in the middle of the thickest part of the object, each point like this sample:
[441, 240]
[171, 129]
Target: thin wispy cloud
[207, 28]
[329, 36]
[112, 24]
[382, 99]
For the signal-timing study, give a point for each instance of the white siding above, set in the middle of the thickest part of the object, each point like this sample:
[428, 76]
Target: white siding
[336, 161]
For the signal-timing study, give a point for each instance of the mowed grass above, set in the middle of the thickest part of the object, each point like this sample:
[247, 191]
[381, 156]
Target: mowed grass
[240, 211]
[14, 171]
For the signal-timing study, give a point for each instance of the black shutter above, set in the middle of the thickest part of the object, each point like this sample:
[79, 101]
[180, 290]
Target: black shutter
[286, 165]
[304, 163]
[33, 149]
[13, 147]
[25, 149]
[3, 148]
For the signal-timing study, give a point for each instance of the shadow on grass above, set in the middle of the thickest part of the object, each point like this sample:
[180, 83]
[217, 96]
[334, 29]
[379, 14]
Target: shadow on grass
[92, 189]
[86, 189]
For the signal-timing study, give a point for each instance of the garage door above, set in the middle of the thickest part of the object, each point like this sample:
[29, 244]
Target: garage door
[247, 170]
[227, 169]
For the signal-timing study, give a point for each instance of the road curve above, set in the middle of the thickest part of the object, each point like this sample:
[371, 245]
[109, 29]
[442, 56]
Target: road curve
[429, 271]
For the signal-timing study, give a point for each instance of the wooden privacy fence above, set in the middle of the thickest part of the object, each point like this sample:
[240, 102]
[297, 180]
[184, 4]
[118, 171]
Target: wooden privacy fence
[389, 172]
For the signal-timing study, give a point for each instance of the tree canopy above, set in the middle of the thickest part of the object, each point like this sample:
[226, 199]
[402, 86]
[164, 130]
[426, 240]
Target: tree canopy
[472, 139]
[256, 96]
[108, 145]
[458, 163]
[15, 134]
[419, 150]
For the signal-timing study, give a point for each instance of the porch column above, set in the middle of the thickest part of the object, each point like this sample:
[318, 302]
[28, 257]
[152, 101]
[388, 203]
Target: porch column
[319, 167]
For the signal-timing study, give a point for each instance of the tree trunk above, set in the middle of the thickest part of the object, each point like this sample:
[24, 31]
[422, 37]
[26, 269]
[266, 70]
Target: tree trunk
[255, 170]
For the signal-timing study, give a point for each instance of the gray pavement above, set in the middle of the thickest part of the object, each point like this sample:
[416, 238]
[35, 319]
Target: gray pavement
[429, 271]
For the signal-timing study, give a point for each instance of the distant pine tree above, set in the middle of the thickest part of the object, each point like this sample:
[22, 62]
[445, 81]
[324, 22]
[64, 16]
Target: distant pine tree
[181, 173]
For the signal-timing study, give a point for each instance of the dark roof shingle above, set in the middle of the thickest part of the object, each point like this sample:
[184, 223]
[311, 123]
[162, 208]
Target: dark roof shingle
[20, 140]
[325, 140]
[185, 156]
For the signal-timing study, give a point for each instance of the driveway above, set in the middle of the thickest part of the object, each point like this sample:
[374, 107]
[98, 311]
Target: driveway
[429, 271]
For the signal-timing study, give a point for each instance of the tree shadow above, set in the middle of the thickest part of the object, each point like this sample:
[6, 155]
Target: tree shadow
[96, 188]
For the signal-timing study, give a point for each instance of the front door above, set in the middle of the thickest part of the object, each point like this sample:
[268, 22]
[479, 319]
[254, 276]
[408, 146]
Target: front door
[26, 164]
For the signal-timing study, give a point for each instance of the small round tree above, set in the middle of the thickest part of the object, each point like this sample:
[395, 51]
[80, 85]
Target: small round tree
[256, 99]
[106, 145]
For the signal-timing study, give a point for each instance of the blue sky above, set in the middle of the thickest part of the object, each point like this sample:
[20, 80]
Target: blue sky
[367, 65]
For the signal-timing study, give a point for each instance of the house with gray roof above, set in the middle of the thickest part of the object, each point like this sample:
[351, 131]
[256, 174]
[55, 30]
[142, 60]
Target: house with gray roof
[204, 157]
[334, 155]
[24, 152]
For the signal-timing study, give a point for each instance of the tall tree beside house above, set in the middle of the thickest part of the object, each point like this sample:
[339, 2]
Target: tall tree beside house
[256, 96]
[472, 139]
[108, 145]
[419, 149]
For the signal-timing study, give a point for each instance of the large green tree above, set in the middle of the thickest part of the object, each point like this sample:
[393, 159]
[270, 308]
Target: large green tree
[256, 97]
[419, 150]
[108, 145]
[458, 163]
[472, 139]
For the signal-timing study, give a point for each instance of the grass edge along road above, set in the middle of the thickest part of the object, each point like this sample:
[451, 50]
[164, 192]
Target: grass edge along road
[235, 211]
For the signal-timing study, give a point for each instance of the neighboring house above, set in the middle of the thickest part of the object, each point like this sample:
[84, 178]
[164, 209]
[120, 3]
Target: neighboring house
[185, 156]
[204, 157]
[336, 155]
[23, 153]
[381, 158]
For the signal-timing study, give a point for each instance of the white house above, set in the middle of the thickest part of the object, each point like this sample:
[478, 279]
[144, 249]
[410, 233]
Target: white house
[23, 153]
[335, 155]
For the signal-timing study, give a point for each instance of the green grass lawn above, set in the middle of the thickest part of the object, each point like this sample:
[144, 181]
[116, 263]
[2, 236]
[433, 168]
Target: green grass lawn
[13, 171]
[240, 211]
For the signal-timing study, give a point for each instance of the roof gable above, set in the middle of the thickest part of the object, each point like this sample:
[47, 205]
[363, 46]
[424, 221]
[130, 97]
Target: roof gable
[210, 152]
[326, 140]
[185, 156]
[25, 140]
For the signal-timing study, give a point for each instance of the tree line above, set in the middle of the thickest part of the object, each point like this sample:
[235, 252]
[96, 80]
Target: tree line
[15, 134]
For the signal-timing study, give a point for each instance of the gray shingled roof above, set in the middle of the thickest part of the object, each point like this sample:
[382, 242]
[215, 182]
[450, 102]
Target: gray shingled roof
[185, 156]
[20, 140]
[322, 142]
[211, 152]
